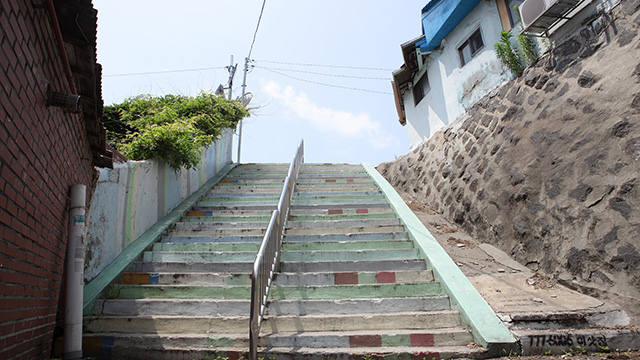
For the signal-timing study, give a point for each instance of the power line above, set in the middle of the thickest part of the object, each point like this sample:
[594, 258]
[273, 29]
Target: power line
[324, 84]
[323, 74]
[257, 27]
[330, 66]
[164, 72]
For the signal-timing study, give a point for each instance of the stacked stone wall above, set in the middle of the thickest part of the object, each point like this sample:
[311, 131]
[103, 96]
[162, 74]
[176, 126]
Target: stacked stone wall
[547, 166]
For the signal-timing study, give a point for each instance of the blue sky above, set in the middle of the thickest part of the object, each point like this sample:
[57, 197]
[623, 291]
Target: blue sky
[290, 104]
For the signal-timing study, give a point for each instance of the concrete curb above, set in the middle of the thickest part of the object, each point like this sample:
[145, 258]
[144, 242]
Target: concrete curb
[488, 330]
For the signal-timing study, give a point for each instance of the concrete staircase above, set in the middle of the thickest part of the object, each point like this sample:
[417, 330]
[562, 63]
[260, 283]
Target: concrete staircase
[188, 297]
[352, 283]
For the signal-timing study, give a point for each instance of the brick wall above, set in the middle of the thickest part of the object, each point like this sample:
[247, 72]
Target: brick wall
[43, 151]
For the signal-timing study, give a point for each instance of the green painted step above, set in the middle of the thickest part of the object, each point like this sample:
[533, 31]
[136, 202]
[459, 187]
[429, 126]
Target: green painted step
[346, 245]
[229, 218]
[350, 216]
[196, 256]
[207, 246]
[338, 201]
[121, 291]
[362, 291]
[355, 255]
[331, 292]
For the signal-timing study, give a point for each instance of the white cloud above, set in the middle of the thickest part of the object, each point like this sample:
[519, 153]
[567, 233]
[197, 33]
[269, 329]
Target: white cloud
[343, 123]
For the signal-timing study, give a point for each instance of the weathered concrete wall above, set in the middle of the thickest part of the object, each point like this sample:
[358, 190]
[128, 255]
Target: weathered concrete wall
[547, 167]
[454, 87]
[133, 196]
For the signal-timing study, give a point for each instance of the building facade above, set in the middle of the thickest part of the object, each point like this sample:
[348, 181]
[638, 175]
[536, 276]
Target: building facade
[47, 144]
[452, 64]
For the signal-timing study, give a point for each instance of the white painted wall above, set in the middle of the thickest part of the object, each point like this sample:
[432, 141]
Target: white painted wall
[131, 197]
[455, 88]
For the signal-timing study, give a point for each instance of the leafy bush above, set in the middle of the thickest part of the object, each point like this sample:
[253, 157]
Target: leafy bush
[173, 128]
[508, 55]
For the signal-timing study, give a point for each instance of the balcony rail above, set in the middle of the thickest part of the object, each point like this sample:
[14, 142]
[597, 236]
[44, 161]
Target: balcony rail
[267, 261]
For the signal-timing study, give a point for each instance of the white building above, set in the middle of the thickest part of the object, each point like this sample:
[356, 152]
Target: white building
[453, 64]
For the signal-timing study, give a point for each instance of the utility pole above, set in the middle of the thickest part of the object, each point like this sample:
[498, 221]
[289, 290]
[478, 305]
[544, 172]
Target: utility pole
[232, 73]
[244, 86]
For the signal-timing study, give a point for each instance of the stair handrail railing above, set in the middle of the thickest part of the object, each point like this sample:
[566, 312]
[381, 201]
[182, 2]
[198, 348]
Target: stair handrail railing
[267, 261]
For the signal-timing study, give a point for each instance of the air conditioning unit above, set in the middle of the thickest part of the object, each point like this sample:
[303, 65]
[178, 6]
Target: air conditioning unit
[538, 16]
[531, 10]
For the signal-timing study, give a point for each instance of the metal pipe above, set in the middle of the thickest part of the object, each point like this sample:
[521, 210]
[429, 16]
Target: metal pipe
[244, 88]
[75, 274]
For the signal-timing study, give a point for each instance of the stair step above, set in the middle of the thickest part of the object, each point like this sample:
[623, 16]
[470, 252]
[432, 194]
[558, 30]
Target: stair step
[174, 307]
[167, 324]
[357, 306]
[342, 223]
[215, 232]
[225, 219]
[287, 256]
[342, 216]
[355, 277]
[352, 255]
[240, 307]
[401, 338]
[347, 245]
[338, 195]
[197, 256]
[124, 291]
[215, 246]
[357, 322]
[381, 339]
[228, 213]
[207, 267]
[381, 236]
[326, 292]
[211, 239]
[185, 278]
[196, 226]
[346, 211]
[326, 207]
[360, 291]
[358, 265]
[345, 230]
[336, 201]
[207, 246]
[386, 353]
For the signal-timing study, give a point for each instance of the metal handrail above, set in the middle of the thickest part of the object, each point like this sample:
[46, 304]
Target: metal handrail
[267, 261]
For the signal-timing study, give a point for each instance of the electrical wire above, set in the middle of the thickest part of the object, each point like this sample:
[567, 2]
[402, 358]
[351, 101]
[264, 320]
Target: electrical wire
[325, 84]
[329, 66]
[164, 72]
[323, 74]
[257, 27]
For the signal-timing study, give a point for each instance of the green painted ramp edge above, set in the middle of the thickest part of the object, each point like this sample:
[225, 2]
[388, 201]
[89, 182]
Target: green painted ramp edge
[96, 286]
[488, 331]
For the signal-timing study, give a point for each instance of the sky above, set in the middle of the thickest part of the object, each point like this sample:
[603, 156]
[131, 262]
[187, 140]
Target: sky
[320, 71]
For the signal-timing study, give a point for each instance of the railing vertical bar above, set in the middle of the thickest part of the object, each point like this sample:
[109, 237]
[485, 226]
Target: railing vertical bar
[267, 261]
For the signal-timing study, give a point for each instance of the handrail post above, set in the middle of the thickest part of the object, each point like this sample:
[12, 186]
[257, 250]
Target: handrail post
[262, 273]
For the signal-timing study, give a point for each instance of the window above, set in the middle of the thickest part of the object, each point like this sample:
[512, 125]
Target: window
[420, 89]
[471, 47]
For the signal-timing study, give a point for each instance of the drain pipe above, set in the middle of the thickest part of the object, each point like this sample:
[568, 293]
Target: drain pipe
[75, 274]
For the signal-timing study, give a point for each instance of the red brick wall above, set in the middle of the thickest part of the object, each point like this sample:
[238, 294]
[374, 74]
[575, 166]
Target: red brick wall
[43, 151]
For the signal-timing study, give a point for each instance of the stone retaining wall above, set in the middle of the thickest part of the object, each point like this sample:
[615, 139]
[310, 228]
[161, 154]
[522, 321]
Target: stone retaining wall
[547, 167]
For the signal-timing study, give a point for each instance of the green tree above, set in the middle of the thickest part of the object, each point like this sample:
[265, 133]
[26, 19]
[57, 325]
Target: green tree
[173, 128]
